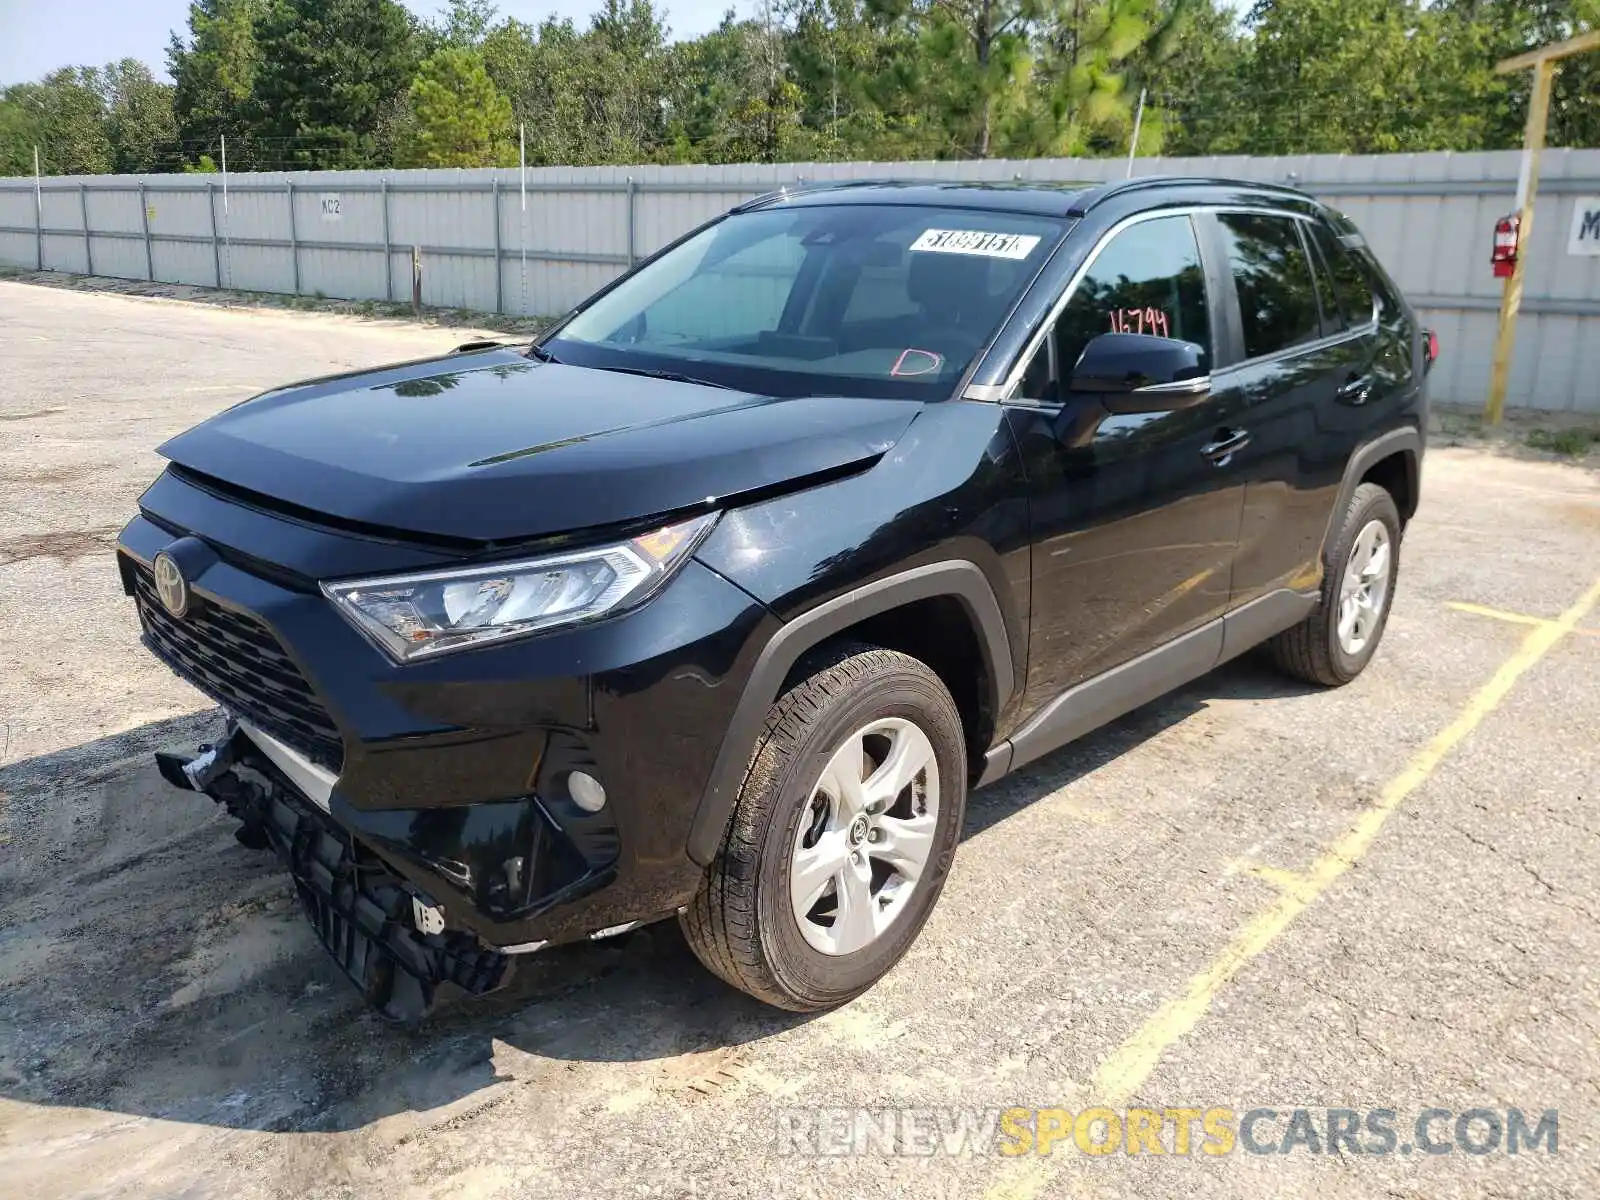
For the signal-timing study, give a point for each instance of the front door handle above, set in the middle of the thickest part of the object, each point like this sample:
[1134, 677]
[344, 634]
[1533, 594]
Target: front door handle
[1228, 443]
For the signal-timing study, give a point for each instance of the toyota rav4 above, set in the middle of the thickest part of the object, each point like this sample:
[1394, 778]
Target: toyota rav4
[717, 600]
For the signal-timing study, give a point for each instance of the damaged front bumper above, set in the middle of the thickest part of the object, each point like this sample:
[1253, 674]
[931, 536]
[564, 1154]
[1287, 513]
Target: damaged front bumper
[436, 830]
[386, 935]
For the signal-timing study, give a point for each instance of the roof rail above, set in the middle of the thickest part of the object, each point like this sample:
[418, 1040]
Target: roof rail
[1121, 186]
[801, 186]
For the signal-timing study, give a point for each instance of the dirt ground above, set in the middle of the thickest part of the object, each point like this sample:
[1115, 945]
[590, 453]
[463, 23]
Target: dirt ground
[1250, 894]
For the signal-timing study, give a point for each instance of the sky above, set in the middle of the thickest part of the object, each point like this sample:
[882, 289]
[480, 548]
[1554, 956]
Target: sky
[37, 37]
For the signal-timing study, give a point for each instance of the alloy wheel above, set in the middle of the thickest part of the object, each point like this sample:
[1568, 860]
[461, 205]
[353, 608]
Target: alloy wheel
[866, 836]
[1364, 592]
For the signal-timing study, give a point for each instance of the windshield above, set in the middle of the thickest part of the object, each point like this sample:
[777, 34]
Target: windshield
[869, 300]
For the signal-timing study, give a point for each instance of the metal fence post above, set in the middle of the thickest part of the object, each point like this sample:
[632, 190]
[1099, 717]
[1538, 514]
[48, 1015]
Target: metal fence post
[83, 213]
[38, 212]
[216, 248]
[388, 251]
[144, 224]
[294, 238]
[499, 283]
[632, 192]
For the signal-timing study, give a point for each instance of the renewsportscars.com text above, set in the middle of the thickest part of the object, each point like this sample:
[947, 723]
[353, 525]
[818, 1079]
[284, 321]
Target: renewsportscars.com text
[1178, 1131]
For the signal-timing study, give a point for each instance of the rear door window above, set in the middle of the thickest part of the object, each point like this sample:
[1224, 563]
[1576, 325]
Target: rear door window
[1277, 292]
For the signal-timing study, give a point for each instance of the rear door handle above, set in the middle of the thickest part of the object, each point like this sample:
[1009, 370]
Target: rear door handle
[1228, 443]
[1356, 390]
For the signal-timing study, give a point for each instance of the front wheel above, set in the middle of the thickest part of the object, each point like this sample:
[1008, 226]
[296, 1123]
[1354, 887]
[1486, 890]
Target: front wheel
[842, 835]
[1336, 642]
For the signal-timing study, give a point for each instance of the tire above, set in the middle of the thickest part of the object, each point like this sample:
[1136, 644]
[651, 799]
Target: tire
[745, 924]
[1314, 650]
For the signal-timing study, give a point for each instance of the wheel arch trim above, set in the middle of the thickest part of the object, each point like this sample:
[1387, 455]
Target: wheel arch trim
[959, 579]
[1407, 441]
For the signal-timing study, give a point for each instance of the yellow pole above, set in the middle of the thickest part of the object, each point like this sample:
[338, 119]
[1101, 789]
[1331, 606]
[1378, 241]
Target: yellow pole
[1528, 189]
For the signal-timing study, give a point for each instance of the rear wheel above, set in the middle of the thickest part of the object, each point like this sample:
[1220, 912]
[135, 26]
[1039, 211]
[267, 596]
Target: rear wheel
[1336, 642]
[842, 835]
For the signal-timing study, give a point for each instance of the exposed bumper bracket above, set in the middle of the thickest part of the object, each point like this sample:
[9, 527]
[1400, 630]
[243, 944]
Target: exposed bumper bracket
[394, 947]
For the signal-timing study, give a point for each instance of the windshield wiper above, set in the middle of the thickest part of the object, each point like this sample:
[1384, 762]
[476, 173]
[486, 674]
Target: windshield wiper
[539, 352]
[670, 376]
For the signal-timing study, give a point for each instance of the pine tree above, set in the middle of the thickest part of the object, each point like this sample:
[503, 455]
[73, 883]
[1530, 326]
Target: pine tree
[331, 81]
[213, 73]
[460, 118]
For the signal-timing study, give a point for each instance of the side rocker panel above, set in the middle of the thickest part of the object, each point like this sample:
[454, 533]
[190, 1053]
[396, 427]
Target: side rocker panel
[1087, 706]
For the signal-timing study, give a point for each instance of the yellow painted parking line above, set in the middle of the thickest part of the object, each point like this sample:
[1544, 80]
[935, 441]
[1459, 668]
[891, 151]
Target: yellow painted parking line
[1499, 614]
[1130, 1065]
[1516, 618]
[1290, 883]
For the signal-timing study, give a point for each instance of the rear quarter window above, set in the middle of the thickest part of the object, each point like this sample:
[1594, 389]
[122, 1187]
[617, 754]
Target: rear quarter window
[1353, 278]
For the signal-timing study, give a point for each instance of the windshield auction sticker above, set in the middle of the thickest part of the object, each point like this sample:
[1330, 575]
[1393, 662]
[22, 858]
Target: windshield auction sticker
[976, 241]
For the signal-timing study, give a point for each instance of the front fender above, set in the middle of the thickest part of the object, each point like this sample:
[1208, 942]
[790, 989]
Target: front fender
[958, 579]
[943, 514]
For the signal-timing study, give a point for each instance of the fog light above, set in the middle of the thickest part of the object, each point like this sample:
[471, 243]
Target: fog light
[586, 791]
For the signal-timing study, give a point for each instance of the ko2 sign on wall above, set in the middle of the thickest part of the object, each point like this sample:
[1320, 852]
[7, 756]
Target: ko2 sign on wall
[1585, 237]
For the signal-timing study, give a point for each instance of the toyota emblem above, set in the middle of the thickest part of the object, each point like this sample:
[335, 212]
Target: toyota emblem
[171, 586]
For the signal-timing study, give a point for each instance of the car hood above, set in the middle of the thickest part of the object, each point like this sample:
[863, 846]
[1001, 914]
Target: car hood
[492, 447]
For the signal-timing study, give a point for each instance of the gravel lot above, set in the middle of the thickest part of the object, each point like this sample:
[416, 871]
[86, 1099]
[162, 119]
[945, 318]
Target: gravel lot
[1247, 895]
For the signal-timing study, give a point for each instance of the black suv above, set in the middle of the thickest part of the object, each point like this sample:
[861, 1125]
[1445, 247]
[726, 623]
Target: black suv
[717, 600]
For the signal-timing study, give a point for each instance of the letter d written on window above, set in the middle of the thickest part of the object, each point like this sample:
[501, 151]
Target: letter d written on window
[1585, 237]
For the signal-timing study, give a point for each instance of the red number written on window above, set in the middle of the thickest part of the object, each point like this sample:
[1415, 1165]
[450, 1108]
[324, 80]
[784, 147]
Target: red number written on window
[1140, 320]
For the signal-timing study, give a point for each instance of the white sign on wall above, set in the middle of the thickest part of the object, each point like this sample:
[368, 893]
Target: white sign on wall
[330, 206]
[1585, 237]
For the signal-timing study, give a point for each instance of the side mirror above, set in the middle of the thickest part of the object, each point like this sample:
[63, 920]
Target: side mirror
[1139, 373]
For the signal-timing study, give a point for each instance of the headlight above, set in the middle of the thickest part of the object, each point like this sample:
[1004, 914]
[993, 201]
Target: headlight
[412, 616]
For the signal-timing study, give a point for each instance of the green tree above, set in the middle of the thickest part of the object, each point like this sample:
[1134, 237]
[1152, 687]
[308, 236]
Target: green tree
[1341, 77]
[1022, 77]
[460, 118]
[732, 98]
[594, 96]
[1489, 111]
[971, 67]
[19, 130]
[527, 65]
[1195, 86]
[331, 81]
[1093, 56]
[139, 118]
[842, 56]
[626, 80]
[64, 115]
[213, 73]
[467, 22]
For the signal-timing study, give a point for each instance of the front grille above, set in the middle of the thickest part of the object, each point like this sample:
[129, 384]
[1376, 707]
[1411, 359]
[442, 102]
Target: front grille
[236, 660]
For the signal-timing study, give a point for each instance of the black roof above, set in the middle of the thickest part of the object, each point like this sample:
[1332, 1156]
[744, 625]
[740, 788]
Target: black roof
[1034, 197]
